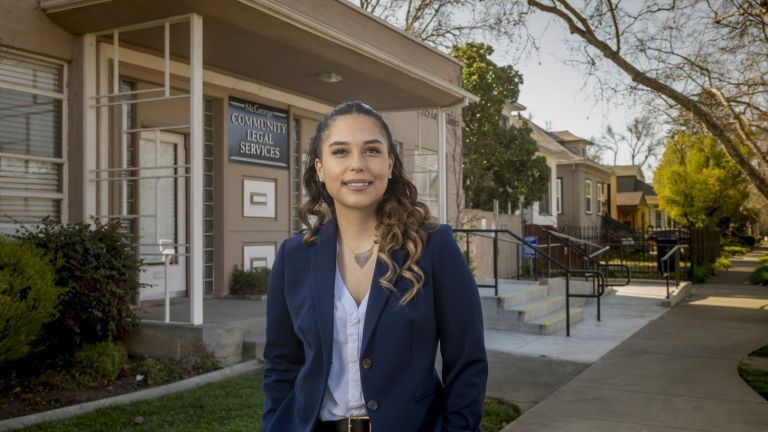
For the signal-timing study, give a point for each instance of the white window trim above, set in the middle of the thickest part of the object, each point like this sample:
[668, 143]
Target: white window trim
[62, 196]
[588, 195]
[600, 200]
[559, 195]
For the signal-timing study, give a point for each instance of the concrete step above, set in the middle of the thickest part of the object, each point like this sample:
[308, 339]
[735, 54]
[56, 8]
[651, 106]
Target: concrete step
[552, 323]
[253, 350]
[533, 310]
[523, 294]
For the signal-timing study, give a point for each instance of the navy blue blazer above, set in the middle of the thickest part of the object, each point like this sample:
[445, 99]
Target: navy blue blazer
[401, 387]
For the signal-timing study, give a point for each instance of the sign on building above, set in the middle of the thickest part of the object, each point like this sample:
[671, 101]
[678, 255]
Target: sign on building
[257, 133]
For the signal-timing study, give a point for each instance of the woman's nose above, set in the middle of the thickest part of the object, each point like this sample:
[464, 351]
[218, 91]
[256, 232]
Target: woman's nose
[358, 161]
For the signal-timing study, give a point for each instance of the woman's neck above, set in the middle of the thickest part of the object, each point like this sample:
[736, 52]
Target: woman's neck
[357, 229]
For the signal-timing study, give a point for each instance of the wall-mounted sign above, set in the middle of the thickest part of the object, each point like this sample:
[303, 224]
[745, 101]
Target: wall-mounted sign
[257, 133]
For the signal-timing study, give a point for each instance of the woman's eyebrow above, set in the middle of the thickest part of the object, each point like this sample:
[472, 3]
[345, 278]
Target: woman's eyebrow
[370, 141]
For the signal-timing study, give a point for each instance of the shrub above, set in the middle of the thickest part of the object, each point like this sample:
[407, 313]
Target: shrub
[760, 275]
[28, 297]
[722, 263]
[97, 268]
[99, 363]
[249, 282]
[154, 372]
[735, 250]
[702, 272]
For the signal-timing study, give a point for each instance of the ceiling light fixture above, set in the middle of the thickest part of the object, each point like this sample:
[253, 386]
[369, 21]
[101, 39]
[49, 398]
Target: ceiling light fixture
[329, 77]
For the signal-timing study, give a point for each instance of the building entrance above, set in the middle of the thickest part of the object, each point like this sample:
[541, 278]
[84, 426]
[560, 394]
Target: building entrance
[162, 206]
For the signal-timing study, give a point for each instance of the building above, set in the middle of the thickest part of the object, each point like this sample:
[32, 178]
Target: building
[189, 120]
[547, 210]
[582, 185]
[634, 202]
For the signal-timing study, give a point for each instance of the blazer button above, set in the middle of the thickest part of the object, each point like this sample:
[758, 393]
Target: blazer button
[367, 363]
[372, 405]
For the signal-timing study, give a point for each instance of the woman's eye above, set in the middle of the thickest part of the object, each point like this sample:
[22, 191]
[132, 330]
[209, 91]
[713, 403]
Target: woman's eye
[339, 152]
[373, 150]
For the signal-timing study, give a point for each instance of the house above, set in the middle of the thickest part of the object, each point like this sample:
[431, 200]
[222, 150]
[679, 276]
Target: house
[546, 210]
[189, 120]
[634, 202]
[582, 186]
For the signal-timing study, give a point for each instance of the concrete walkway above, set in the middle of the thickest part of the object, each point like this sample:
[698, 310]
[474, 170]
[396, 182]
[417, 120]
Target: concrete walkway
[678, 373]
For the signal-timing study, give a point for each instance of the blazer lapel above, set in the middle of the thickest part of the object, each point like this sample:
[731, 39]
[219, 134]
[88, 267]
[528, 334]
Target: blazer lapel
[323, 271]
[378, 296]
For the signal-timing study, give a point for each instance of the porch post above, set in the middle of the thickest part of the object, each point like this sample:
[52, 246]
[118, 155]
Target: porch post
[196, 168]
[89, 145]
[442, 167]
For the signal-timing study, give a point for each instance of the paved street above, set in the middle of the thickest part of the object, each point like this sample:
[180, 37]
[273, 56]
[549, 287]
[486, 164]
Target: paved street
[678, 373]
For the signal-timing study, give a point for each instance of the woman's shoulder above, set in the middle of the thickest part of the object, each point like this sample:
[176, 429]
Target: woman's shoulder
[437, 233]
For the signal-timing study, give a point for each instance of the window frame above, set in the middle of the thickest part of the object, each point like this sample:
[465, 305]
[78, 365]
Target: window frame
[559, 195]
[588, 196]
[61, 96]
[600, 197]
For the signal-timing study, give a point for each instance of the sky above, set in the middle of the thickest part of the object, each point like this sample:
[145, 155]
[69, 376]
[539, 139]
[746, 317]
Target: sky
[555, 93]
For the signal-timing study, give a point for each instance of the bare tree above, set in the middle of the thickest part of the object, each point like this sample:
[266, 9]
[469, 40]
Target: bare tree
[707, 58]
[444, 23]
[641, 138]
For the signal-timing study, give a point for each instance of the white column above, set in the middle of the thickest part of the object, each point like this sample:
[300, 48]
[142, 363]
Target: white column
[89, 124]
[442, 166]
[196, 168]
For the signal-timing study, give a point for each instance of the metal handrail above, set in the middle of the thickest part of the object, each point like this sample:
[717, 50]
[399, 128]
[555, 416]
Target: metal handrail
[598, 278]
[600, 252]
[591, 257]
[675, 251]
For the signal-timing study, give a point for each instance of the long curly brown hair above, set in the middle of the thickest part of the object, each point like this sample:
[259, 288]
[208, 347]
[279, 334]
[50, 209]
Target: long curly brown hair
[402, 220]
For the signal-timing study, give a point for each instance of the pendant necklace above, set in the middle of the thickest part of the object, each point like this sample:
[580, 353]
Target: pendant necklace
[362, 258]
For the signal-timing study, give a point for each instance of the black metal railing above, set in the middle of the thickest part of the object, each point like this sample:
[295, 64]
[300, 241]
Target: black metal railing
[599, 280]
[590, 260]
[666, 265]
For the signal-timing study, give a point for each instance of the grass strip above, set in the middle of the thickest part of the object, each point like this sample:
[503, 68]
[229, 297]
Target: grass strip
[230, 405]
[756, 378]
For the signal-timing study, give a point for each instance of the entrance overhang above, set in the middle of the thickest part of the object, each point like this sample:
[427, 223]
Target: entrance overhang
[288, 44]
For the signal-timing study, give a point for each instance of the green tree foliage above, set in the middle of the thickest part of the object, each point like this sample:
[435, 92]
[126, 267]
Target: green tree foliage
[28, 297]
[698, 184]
[499, 163]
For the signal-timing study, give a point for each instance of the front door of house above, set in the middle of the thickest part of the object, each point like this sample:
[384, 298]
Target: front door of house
[162, 206]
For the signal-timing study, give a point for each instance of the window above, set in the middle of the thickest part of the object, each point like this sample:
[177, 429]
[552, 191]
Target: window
[546, 201]
[600, 198]
[657, 214]
[298, 159]
[208, 190]
[559, 195]
[425, 178]
[588, 196]
[32, 149]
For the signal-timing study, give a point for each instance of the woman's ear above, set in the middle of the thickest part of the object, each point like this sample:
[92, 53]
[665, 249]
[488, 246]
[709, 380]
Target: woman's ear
[319, 169]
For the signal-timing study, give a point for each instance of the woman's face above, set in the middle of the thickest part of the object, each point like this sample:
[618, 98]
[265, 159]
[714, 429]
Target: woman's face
[354, 162]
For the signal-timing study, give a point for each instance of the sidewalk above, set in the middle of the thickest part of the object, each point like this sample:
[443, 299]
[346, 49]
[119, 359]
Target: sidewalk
[678, 373]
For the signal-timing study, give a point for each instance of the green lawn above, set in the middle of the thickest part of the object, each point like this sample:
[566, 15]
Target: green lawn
[229, 405]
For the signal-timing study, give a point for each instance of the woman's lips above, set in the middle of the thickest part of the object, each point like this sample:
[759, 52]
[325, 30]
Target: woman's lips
[358, 185]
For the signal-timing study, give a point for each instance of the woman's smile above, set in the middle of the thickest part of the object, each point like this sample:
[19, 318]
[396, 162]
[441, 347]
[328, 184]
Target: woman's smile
[357, 184]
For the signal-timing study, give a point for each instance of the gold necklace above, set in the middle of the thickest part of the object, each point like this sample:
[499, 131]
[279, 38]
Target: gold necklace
[362, 258]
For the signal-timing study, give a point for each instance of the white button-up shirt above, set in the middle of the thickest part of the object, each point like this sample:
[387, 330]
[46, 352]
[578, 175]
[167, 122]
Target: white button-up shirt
[344, 392]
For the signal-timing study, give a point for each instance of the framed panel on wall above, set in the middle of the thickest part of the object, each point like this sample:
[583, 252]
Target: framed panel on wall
[259, 198]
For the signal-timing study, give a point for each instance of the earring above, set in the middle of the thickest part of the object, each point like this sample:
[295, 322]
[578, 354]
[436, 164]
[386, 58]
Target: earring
[390, 176]
[321, 179]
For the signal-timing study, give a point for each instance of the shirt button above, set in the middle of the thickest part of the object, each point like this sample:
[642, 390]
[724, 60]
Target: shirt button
[372, 405]
[367, 363]
[355, 398]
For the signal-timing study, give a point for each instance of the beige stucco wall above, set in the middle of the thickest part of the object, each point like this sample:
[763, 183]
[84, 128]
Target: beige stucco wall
[418, 129]
[574, 177]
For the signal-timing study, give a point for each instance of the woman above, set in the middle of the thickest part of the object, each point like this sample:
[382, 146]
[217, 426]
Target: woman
[358, 303]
